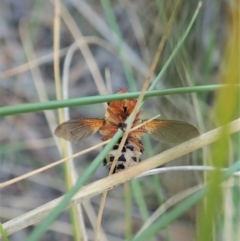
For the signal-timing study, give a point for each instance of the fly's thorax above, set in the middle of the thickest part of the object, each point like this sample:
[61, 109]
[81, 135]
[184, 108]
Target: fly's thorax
[118, 111]
[130, 155]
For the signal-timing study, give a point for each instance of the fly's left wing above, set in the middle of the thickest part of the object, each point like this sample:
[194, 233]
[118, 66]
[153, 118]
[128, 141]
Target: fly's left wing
[78, 129]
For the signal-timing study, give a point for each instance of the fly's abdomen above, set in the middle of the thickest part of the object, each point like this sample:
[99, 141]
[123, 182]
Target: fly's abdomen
[130, 156]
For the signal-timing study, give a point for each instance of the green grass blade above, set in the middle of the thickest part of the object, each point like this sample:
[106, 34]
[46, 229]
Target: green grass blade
[3, 233]
[40, 106]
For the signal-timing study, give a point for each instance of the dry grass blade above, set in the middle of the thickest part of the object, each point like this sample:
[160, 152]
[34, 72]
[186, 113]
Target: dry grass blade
[84, 48]
[110, 182]
[31, 64]
[182, 168]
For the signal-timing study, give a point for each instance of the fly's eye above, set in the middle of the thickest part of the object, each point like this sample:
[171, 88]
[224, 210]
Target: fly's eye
[124, 109]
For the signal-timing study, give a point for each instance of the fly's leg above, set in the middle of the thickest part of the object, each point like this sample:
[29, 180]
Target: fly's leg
[118, 119]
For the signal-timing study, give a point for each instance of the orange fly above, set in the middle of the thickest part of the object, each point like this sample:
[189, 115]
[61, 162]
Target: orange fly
[170, 131]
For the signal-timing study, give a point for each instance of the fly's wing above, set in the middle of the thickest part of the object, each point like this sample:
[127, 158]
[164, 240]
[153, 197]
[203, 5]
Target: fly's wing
[171, 131]
[78, 129]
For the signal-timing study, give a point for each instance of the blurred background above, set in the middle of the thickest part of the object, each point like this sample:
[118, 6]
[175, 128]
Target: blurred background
[116, 44]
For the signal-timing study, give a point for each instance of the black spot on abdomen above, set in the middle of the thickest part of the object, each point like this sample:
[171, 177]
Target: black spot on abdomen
[120, 167]
[134, 158]
[122, 158]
